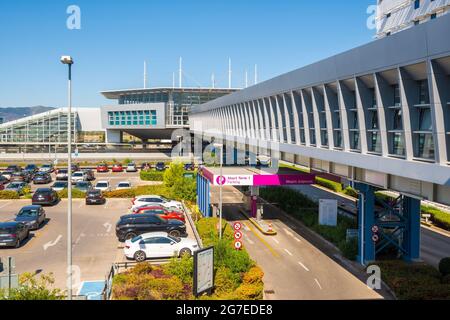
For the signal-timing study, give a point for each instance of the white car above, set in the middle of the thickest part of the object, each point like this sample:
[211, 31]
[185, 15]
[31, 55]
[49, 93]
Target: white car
[79, 176]
[157, 200]
[124, 185]
[103, 186]
[62, 175]
[158, 245]
[131, 167]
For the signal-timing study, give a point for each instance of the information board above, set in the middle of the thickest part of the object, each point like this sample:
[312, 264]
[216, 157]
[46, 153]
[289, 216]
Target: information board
[328, 212]
[203, 271]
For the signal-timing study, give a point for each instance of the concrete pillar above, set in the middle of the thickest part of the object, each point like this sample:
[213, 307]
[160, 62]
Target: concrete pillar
[254, 194]
[411, 236]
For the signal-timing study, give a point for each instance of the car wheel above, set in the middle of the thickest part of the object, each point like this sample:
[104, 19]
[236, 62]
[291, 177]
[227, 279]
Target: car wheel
[175, 233]
[185, 251]
[140, 256]
[130, 236]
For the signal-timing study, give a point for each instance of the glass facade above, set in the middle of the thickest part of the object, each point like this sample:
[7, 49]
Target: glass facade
[47, 128]
[132, 118]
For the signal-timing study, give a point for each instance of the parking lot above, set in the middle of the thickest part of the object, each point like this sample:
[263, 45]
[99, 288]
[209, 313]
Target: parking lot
[95, 246]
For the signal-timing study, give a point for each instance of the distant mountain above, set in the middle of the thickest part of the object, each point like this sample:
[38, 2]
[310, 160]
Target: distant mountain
[13, 113]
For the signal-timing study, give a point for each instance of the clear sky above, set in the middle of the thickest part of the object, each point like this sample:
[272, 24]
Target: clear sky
[116, 36]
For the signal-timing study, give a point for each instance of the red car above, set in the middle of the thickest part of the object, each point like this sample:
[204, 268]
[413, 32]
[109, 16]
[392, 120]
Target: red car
[102, 168]
[162, 212]
[117, 168]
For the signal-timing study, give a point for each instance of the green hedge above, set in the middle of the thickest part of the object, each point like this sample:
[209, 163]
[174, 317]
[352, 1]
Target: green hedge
[76, 194]
[139, 191]
[334, 186]
[349, 191]
[414, 281]
[438, 217]
[152, 175]
[9, 195]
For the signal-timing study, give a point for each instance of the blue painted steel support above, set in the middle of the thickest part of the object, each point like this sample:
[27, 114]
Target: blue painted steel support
[411, 236]
[203, 196]
[366, 220]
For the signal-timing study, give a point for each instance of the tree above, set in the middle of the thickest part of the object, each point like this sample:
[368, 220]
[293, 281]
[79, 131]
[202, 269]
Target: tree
[33, 288]
[174, 175]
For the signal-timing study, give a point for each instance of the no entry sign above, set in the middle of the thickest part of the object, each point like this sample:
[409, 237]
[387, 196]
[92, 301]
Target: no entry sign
[237, 226]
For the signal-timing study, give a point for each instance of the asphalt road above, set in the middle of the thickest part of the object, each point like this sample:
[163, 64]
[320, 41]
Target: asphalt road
[434, 245]
[294, 267]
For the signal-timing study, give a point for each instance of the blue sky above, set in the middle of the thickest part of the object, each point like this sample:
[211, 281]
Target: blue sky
[116, 36]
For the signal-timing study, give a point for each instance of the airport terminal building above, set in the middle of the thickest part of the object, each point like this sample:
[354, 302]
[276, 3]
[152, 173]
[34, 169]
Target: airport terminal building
[152, 114]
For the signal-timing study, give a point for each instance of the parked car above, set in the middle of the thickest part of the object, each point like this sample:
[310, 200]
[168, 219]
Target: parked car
[102, 168]
[124, 185]
[117, 168]
[45, 196]
[90, 176]
[95, 197]
[20, 177]
[60, 186]
[62, 175]
[3, 180]
[103, 186]
[154, 199]
[146, 166]
[131, 226]
[18, 187]
[7, 174]
[131, 167]
[75, 167]
[42, 178]
[47, 168]
[158, 245]
[78, 176]
[14, 168]
[13, 233]
[162, 212]
[31, 169]
[83, 186]
[160, 166]
[189, 166]
[33, 216]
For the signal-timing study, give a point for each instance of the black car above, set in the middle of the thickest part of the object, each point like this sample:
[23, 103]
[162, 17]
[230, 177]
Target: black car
[45, 196]
[130, 226]
[32, 216]
[95, 197]
[14, 168]
[189, 167]
[42, 178]
[13, 233]
[160, 166]
[89, 174]
[3, 181]
[31, 168]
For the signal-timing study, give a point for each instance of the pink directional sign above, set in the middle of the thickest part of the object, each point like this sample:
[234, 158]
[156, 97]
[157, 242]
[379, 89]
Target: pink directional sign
[283, 179]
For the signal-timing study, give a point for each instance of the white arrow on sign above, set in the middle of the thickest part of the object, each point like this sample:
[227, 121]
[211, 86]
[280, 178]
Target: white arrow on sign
[108, 227]
[52, 243]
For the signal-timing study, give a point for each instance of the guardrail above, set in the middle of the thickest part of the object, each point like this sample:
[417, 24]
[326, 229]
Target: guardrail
[192, 224]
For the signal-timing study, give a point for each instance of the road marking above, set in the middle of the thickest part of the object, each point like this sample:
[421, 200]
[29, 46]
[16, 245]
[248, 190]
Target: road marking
[318, 283]
[274, 253]
[5, 205]
[108, 226]
[288, 232]
[80, 205]
[275, 240]
[303, 266]
[288, 252]
[82, 235]
[249, 240]
[297, 239]
[52, 243]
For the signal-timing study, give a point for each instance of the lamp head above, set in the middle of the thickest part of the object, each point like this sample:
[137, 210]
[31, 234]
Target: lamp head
[66, 60]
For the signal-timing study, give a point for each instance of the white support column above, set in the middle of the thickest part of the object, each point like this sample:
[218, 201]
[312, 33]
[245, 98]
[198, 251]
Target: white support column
[296, 118]
[316, 116]
[275, 135]
[438, 84]
[344, 118]
[267, 118]
[261, 119]
[280, 119]
[329, 117]
[257, 125]
[381, 86]
[287, 120]
[361, 91]
[405, 83]
[305, 119]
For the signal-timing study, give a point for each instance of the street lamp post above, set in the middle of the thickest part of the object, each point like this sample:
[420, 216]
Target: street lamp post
[221, 182]
[69, 62]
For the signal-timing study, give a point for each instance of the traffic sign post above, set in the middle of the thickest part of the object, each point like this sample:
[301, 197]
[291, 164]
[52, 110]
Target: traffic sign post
[238, 245]
[237, 235]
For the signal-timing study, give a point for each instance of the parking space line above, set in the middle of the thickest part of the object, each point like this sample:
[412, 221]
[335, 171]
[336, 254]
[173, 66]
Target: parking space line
[275, 240]
[297, 239]
[288, 252]
[318, 283]
[5, 205]
[303, 266]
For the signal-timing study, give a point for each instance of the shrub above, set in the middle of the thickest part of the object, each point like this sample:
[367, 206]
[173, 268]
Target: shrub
[9, 195]
[438, 217]
[254, 275]
[444, 266]
[174, 174]
[334, 186]
[349, 249]
[33, 288]
[226, 281]
[186, 189]
[351, 192]
[152, 175]
[183, 268]
[127, 193]
[76, 194]
[249, 291]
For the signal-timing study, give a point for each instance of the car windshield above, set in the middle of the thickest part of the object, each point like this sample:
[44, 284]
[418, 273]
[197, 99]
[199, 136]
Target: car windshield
[62, 171]
[78, 174]
[28, 213]
[102, 185]
[14, 185]
[30, 166]
[124, 185]
[60, 185]
[138, 238]
[82, 184]
[46, 166]
[177, 240]
[94, 193]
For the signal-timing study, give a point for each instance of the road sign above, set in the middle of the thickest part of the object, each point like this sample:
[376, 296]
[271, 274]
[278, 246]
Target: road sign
[375, 238]
[238, 245]
[237, 226]
[375, 229]
[238, 235]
